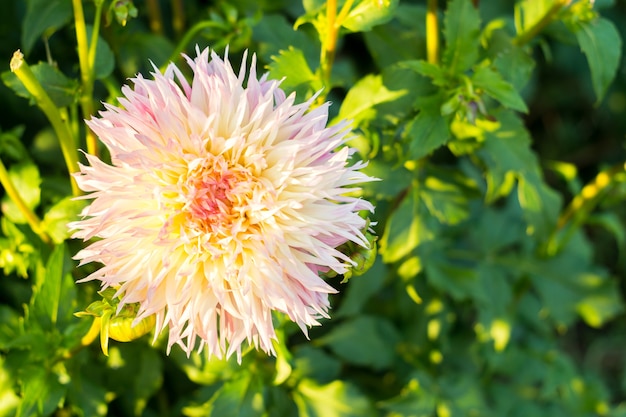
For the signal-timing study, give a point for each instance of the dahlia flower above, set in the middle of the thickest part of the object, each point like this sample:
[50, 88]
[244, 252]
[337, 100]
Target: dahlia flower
[223, 202]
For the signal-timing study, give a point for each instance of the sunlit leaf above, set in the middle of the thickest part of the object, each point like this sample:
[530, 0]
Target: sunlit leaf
[336, 399]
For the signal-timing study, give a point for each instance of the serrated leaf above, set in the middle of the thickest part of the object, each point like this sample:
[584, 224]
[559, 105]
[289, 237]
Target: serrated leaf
[432, 71]
[25, 177]
[429, 130]
[336, 399]
[462, 35]
[494, 85]
[44, 17]
[514, 63]
[602, 45]
[369, 13]
[61, 90]
[363, 96]
[293, 67]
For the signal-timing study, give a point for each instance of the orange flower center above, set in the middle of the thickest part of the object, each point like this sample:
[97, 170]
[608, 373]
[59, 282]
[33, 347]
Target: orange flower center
[216, 194]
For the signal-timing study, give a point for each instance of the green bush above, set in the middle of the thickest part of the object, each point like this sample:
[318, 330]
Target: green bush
[497, 130]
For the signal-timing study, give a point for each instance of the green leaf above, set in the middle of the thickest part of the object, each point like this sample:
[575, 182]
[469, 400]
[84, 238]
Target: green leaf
[17, 252]
[540, 203]
[398, 40]
[429, 129]
[395, 179]
[432, 71]
[293, 67]
[41, 391]
[514, 63]
[601, 303]
[44, 17]
[25, 177]
[9, 401]
[369, 13]
[244, 395]
[405, 229]
[139, 49]
[361, 289]
[364, 340]
[462, 35]
[315, 363]
[63, 91]
[271, 32]
[456, 277]
[11, 145]
[414, 400]
[10, 326]
[494, 85]
[446, 197]
[54, 295]
[601, 43]
[336, 399]
[363, 96]
[58, 216]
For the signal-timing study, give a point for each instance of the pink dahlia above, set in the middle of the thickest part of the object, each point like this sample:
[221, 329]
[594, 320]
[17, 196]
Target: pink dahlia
[223, 202]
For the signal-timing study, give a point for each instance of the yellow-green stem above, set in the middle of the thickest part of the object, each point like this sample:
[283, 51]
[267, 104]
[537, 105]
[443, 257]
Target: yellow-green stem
[178, 17]
[432, 32]
[581, 206]
[526, 36]
[31, 217]
[154, 14]
[329, 42]
[59, 124]
[86, 70]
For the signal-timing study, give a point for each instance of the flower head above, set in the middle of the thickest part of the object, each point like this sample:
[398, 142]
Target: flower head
[223, 202]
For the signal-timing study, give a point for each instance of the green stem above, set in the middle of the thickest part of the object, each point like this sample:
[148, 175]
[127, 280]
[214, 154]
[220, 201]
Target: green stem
[527, 35]
[31, 217]
[432, 32]
[59, 124]
[86, 70]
